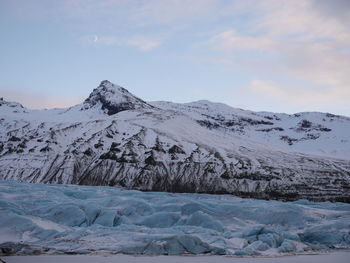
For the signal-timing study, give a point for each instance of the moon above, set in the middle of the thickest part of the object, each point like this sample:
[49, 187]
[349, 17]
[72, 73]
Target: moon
[95, 38]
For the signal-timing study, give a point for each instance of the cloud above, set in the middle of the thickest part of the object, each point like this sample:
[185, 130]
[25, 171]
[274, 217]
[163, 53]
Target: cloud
[297, 47]
[299, 43]
[320, 62]
[161, 11]
[143, 43]
[305, 98]
[301, 21]
[230, 40]
[337, 9]
[117, 12]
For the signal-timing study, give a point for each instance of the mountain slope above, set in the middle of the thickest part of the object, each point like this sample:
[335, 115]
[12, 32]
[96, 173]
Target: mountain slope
[114, 138]
[317, 133]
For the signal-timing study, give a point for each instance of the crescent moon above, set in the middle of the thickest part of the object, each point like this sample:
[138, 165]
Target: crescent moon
[95, 38]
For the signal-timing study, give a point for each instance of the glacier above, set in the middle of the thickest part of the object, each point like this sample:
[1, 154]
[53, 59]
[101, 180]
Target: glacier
[71, 219]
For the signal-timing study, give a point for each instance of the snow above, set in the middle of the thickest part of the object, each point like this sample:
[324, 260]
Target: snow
[114, 138]
[112, 98]
[38, 218]
[332, 141]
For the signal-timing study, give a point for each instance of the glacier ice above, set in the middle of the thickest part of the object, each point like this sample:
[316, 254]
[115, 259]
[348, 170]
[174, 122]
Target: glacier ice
[37, 218]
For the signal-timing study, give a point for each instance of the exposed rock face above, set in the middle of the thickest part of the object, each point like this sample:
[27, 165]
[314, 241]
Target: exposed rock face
[116, 139]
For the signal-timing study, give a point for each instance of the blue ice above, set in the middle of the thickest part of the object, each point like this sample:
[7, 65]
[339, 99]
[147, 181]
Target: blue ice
[37, 218]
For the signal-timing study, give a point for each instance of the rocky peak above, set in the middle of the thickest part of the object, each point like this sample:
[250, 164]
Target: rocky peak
[113, 99]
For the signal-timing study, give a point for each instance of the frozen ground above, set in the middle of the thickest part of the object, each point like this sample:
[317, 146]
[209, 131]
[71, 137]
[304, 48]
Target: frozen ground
[60, 219]
[337, 257]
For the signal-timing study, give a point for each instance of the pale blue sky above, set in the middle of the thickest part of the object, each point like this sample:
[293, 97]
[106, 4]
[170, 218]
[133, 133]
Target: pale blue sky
[274, 55]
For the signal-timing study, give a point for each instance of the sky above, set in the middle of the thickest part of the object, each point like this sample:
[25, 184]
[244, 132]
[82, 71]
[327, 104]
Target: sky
[263, 55]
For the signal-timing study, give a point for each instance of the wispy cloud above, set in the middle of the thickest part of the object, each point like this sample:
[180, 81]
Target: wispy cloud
[230, 40]
[161, 11]
[143, 43]
[304, 43]
[293, 50]
[304, 98]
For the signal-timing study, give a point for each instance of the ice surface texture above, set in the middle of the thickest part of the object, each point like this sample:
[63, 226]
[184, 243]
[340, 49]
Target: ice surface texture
[37, 218]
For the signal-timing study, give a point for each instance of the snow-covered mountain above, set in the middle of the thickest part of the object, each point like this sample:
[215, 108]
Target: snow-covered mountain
[308, 132]
[114, 138]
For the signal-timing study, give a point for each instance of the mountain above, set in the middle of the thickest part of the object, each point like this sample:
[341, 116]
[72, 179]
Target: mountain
[114, 138]
[308, 132]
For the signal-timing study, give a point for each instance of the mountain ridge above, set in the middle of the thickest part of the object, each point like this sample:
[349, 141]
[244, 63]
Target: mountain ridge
[103, 82]
[161, 146]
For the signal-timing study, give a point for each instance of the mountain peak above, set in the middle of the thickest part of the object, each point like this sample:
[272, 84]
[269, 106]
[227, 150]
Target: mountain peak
[113, 99]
